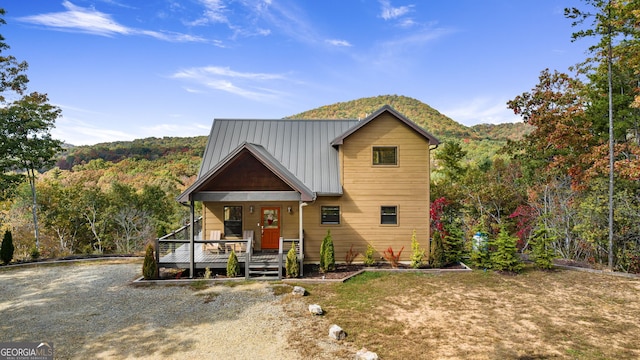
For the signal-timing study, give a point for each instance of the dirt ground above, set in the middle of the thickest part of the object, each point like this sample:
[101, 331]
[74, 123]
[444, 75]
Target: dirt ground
[478, 315]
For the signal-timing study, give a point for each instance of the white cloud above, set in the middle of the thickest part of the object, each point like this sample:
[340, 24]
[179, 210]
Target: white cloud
[245, 84]
[482, 111]
[82, 19]
[335, 42]
[91, 21]
[78, 132]
[389, 12]
[180, 130]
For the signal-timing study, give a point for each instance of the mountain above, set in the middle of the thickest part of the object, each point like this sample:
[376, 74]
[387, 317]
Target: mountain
[481, 140]
[424, 115]
[140, 149]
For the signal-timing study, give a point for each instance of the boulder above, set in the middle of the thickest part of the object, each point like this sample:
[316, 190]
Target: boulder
[315, 309]
[299, 290]
[364, 354]
[336, 332]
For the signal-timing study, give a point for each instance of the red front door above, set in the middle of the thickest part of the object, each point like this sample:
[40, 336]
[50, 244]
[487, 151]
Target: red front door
[270, 227]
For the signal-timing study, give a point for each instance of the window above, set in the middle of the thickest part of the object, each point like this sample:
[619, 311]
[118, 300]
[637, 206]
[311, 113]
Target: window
[385, 155]
[330, 215]
[233, 221]
[389, 215]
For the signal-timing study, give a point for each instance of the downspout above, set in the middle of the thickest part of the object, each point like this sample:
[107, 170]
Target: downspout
[192, 236]
[301, 235]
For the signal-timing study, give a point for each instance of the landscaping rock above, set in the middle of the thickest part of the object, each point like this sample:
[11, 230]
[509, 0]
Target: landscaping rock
[299, 290]
[315, 309]
[364, 354]
[336, 332]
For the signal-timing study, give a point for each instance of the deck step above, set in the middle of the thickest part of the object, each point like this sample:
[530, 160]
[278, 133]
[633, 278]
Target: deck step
[263, 272]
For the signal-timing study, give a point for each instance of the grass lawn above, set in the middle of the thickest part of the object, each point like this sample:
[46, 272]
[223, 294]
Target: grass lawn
[484, 315]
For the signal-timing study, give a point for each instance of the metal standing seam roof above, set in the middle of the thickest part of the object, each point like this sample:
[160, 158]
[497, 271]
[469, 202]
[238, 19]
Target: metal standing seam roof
[303, 147]
[302, 152]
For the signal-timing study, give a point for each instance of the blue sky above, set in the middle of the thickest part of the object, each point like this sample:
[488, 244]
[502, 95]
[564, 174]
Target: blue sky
[122, 70]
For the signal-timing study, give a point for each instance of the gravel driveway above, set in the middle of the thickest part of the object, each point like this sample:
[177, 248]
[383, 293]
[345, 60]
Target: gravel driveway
[90, 311]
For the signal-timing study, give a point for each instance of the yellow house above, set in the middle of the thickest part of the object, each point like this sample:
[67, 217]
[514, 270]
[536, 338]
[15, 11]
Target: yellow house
[268, 184]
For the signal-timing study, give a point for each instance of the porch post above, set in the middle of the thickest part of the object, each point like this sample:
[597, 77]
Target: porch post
[192, 236]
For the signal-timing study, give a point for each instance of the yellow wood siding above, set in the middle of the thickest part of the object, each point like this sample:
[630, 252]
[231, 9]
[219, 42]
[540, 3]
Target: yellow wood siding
[368, 187]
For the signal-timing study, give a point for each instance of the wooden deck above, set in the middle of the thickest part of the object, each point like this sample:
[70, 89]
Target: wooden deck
[179, 258]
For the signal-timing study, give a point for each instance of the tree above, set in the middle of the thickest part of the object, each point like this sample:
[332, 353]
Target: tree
[6, 249]
[233, 267]
[292, 266]
[542, 251]
[504, 256]
[417, 253]
[448, 158]
[327, 254]
[611, 21]
[149, 266]
[26, 144]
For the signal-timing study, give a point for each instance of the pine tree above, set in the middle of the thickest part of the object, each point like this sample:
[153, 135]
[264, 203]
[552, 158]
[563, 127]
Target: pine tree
[542, 251]
[149, 266]
[453, 244]
[505, 255]
[437, 258]
[6, 249]
[327, 255]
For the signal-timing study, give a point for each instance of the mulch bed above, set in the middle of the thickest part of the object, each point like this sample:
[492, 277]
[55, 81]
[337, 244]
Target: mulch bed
[342, 271]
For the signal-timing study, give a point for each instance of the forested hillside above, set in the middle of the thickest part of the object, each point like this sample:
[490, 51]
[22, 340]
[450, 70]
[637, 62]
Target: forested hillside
[424, 115]
[147, 149]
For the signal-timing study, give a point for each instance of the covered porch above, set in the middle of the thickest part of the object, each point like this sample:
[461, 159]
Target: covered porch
[252, 204]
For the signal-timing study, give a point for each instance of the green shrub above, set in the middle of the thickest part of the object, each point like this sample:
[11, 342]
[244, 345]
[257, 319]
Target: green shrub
[417, 254]
[327, 255]
[542, 251]
[149, 266]
[233, 267]
[34, 253]
[292, 267]
[6, 249]
[504, 257]
[368, 256]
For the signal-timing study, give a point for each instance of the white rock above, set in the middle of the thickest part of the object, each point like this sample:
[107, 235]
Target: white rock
[364, 354]
[315, 309]
[299, 290]
[336, 332]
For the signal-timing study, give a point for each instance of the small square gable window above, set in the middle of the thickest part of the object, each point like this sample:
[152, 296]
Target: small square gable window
[385, 155]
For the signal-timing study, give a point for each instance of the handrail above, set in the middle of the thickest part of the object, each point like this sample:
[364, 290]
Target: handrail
[280, 243]
[180, 229]
[247, 259]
